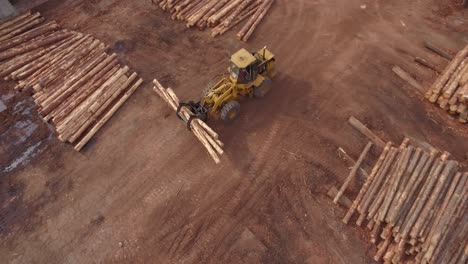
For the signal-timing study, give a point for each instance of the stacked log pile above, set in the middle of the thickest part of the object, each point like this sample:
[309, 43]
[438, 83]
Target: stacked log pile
[75, 83]
[220, 15]
[207, 136]
[450, 90]
[416, 207]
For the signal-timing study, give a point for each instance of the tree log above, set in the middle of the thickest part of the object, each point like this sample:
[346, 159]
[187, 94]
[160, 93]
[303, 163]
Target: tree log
[367, 184]
[408, 78]
[366, 131]
[107, 116]
[14, 21]
[437, 50]
[427, 64]
[353, 172]
[102, 68]
[51, 26]
[98, 108]
[436, 88]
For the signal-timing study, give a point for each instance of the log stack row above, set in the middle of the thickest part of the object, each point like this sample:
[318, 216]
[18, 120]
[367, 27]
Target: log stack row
[75, 83]
[220, 15]
[450, 90]
[206, 135]
[415, 206]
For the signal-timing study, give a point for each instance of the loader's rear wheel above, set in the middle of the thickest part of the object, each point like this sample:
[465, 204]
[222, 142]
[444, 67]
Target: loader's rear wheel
[263, 88]
[230, 111]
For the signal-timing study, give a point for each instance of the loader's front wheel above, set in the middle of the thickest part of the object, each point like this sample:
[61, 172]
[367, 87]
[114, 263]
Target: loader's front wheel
[263, 88]
[230, 111]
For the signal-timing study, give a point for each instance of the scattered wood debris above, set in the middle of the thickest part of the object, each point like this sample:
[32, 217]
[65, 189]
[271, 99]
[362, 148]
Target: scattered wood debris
[220, 15]
[200, 129]
[416, 206]
[74, 82]
[450, 90]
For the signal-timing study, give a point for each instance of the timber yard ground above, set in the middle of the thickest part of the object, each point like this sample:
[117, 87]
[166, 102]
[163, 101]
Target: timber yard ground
[145, 191]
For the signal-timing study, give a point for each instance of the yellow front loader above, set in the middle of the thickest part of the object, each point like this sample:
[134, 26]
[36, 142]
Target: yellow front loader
[250, 75]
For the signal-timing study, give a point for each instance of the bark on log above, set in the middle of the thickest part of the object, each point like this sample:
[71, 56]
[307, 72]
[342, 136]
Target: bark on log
[458, 202]
[96, 110]
[436, 88]
[194, 19]
[252, 20]
[107, 116]
[395, 212]
[395, 183]
[106, 64]
[14, 21]
[249, 33]
[214, 18]
[87, 89]
[420, 201]
[72, 84]
[375, 187]
[22, 29]
[441, 181]
[221, 29]
[442, 210]
[368, 182]
[51, 26]
[453, 84]
[23, 23]
[35, 68]
[32, 46]
[236, 12]
[66, 128]
[49, 63]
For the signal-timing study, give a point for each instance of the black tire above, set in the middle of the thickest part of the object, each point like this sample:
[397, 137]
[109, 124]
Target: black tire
[263, 89]
[230, 111]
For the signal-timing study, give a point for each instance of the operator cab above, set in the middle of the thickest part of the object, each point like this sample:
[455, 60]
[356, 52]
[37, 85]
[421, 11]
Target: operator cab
[243, 67]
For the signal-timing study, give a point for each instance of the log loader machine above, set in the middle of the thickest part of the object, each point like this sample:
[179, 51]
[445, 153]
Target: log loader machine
[249, 75]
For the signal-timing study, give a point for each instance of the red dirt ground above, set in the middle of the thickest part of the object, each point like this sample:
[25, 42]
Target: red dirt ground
[145, 191]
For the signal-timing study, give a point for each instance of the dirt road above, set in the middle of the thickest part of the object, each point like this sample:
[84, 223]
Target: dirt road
[144, 190]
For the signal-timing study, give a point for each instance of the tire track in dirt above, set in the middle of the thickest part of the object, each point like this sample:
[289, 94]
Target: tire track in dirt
[201, 236]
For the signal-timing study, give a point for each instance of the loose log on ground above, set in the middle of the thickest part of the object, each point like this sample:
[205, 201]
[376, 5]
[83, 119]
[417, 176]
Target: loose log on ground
[353, 172]
[344, 201]
[408, 78]
[427, 64]
[345, 156]
[437, 50]
[366, 131]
